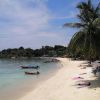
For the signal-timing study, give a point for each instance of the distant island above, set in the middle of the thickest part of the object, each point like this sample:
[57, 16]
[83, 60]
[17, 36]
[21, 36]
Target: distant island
[45, 51]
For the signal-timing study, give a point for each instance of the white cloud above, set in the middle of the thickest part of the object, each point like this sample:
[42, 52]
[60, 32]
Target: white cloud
[21, 22]
[24, 19]
[27, 23]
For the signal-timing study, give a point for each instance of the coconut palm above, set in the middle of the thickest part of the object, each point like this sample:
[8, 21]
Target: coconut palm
[87, 39]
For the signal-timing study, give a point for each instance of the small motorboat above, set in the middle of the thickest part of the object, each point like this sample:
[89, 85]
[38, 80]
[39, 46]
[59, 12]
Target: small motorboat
[47, 61]
[52, 60]
[32, 73]
[30, 67]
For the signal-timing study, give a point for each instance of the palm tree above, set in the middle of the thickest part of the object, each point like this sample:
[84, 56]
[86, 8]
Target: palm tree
[87, 39]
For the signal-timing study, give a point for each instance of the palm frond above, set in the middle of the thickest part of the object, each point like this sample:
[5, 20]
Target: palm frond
[77, 40]
[81, 5]
[89, 3]
[97, 10]
[87, 40]
[96, 22]
[81, 18]
[73, 25]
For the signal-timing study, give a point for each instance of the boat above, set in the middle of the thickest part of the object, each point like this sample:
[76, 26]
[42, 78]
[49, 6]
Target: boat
[32, 73]
[30, 67]
[52, 60]
[47, 61]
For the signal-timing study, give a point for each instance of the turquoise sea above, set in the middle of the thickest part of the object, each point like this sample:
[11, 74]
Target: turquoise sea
[14, 82]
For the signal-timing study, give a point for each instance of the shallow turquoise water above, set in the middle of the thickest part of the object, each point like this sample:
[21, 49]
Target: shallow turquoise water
[11, 75]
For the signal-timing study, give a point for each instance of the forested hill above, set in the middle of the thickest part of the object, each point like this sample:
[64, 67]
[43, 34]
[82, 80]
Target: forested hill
[45, 51]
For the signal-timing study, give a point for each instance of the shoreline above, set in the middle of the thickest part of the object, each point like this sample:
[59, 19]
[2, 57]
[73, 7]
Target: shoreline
[16, 94]
[61, 86]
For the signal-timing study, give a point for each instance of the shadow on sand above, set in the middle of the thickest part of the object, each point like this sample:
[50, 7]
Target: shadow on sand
[94, 83]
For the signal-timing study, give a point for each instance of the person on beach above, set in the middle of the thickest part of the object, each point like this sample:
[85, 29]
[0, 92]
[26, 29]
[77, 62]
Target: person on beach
[84, 84]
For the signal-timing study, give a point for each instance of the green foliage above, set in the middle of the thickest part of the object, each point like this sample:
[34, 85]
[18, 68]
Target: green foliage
[86, 42]
[28, 52]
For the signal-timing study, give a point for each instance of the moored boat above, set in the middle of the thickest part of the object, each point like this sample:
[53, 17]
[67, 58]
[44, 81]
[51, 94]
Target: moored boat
[32, 73]
[30, 67]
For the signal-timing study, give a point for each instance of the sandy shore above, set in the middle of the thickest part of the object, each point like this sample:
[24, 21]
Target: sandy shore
[62, 86]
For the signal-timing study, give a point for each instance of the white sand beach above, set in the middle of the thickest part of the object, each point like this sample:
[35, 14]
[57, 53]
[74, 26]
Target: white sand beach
[61, 86]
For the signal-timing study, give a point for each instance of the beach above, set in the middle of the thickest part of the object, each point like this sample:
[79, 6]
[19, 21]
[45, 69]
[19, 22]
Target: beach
[50, 50]
[61, 86]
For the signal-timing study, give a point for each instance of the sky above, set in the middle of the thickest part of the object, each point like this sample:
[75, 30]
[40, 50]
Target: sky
[36, 23]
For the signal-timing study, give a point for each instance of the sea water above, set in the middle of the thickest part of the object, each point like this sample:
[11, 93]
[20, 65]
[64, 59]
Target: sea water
[13, 80]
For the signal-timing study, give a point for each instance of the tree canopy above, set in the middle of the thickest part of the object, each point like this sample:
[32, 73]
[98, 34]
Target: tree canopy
[86, 42]
[48, 51]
